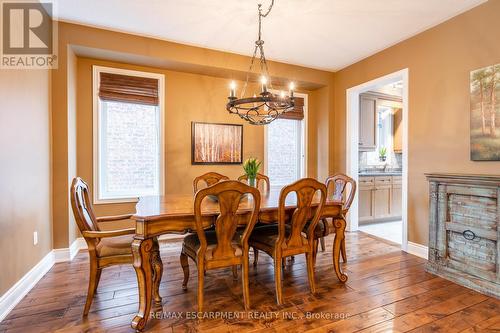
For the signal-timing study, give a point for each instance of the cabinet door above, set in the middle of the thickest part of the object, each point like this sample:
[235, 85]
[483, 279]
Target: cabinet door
[397, 130]
[382, 201]
[367, 123]
[396, 195]
[366, 212]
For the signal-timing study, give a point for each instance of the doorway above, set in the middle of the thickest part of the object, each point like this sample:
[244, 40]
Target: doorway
[377, 156]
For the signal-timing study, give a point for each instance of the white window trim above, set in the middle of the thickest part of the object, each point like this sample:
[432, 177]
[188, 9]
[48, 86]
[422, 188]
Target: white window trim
[96, 70]
[304, 133]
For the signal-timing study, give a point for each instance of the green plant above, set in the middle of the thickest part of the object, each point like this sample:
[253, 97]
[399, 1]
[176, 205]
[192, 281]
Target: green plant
[251, 167]
[382, 152]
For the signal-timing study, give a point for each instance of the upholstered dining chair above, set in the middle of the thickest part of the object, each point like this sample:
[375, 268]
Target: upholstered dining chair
[209, 178]
[221, 246]
[260, 178]
[287, 239]
[106, 248]
[341, 188]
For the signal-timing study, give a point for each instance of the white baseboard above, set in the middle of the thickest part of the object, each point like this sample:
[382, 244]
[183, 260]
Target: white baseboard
[17, 292]
[418, 250]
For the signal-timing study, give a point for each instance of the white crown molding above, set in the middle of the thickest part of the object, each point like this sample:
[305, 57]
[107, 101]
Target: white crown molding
[17, 292]
[418, 250]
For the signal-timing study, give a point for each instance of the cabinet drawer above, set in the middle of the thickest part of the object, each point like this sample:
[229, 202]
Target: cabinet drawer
[383, 180]
[397, 180]
[366, 181]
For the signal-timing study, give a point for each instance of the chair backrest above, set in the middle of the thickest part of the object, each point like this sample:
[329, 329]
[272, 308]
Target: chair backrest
[306, 190]
[259, 178]
[338, 185]
[82, 208]
[229, 195]
[210, 178]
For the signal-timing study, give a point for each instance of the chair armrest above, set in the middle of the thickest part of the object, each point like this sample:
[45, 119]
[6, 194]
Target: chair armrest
[114, 218]
[110, 233]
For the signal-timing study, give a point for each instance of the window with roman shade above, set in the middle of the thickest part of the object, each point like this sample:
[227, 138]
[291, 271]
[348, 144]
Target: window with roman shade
[128, 138]
[297, 113]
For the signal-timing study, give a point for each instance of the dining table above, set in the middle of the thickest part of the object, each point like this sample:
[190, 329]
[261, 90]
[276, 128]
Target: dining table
[174, 214]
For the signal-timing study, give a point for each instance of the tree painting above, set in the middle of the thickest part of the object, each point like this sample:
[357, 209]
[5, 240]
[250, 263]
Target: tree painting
[484, 111]
[216, 143]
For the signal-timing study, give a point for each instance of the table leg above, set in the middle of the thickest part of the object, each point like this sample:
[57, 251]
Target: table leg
[157, 272]
[339, 225]
[143, 252]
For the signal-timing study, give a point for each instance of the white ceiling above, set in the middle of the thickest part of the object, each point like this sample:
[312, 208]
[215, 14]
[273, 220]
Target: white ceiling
[325, 34]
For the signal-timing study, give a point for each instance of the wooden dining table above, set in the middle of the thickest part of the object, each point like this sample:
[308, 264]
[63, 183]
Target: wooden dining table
[174, 214]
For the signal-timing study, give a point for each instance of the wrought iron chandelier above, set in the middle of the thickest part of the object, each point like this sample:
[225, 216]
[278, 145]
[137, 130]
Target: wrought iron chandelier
[263, 108]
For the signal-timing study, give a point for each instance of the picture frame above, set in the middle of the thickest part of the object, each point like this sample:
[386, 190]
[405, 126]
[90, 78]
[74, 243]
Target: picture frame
[216, 143]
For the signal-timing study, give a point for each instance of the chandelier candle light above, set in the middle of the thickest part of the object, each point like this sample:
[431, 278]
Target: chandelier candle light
[266, 107]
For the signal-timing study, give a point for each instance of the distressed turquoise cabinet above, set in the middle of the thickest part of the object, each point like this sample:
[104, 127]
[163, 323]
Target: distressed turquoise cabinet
[464, 232]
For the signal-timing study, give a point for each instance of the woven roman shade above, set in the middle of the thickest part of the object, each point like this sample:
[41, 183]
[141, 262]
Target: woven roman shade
[131, 89]
[297, 113]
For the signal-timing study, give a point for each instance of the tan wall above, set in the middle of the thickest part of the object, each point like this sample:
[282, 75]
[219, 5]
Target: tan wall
[439, 62]
[200, 75]
[25, 177]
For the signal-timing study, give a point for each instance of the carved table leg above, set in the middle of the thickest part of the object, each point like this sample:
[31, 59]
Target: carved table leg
[157, 272]
[143, 252]
[340, 225]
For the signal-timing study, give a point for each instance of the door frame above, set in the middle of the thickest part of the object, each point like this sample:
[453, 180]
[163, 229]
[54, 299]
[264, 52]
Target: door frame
[304, 146]
[352, 139]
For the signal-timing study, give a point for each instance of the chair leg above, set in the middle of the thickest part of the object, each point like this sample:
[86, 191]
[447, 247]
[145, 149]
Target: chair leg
[97, 279]
[315, 250]
[235, 272]
[310, 272]
[322, 240]
[93, 281]
[255, 256]
[201, 280]
[343, 251]
[185, 269]
[277, 280]
[244, 279]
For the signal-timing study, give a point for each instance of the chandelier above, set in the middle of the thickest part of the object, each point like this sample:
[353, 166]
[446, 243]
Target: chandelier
[263, 108]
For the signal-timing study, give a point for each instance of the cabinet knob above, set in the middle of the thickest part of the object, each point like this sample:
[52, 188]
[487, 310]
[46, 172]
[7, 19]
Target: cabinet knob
[469, 234]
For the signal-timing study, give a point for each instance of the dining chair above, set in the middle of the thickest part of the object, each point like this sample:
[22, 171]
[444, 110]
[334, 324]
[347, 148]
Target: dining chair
[209, 178]
[105, 248]
[222, 246]
[343, 189]
[287, 239]
[259, 178]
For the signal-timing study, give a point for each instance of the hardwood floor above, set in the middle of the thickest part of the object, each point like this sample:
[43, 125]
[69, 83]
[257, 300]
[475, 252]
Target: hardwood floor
[388, 290]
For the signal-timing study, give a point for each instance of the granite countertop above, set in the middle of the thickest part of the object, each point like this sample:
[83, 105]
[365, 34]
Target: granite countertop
[380, 173]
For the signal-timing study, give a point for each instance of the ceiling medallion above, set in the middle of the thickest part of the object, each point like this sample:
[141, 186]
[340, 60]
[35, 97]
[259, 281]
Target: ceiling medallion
[267, 106]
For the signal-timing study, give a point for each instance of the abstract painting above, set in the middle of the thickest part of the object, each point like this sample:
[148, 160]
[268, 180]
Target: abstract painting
[484, 112]
[213, 143]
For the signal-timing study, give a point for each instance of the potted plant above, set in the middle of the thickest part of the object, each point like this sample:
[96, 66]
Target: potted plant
[251, 168]
[382, 154]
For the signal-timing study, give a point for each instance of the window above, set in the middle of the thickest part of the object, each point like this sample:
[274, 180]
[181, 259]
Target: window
[285, 147]
[128, 134]
[384, 136]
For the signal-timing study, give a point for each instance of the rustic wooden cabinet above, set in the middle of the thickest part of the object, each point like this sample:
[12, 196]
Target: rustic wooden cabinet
[377, 198]
[464, 233]
[367, 122]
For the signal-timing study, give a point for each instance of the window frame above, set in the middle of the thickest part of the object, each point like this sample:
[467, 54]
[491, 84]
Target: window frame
[96, 154]
[303, 144]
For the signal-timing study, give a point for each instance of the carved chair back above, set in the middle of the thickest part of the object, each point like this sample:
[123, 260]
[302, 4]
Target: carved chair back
[209, 178]
[337, 186]
[229, 194]
[260, 178]
[82, 209]
[305, 190]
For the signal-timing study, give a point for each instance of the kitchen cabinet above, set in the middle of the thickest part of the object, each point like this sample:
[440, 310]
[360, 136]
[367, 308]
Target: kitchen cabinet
[367, 123]
[379, 198]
